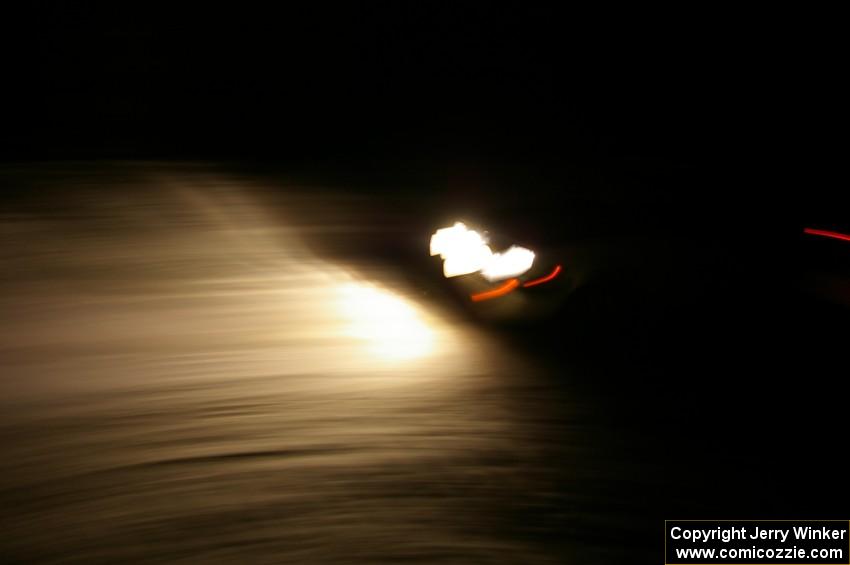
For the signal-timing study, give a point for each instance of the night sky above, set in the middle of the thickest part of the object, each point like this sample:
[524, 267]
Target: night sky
[743, 105]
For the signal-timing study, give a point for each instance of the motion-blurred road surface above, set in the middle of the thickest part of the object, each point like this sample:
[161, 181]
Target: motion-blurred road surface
[187, 378]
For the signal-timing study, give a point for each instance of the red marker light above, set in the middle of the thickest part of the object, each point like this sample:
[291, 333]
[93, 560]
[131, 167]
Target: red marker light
[827, 233]
[545, 279]
[496, 292]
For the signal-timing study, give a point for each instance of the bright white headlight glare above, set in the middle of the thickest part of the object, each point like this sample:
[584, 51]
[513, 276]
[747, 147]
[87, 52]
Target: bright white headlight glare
[465, 251]
[512, 263]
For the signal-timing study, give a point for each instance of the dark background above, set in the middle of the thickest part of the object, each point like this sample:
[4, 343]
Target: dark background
[733, 102]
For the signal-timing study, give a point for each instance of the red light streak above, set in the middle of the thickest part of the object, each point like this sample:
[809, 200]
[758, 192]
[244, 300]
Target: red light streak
[827, 233]
[496, 292]
[545, 279]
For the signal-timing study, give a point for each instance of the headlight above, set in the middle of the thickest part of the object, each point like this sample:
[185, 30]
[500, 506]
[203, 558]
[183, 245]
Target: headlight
[512, 263]
[465, 251]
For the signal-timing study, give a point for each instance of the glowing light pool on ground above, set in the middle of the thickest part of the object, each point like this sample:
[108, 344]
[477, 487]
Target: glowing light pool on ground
[391, 327]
